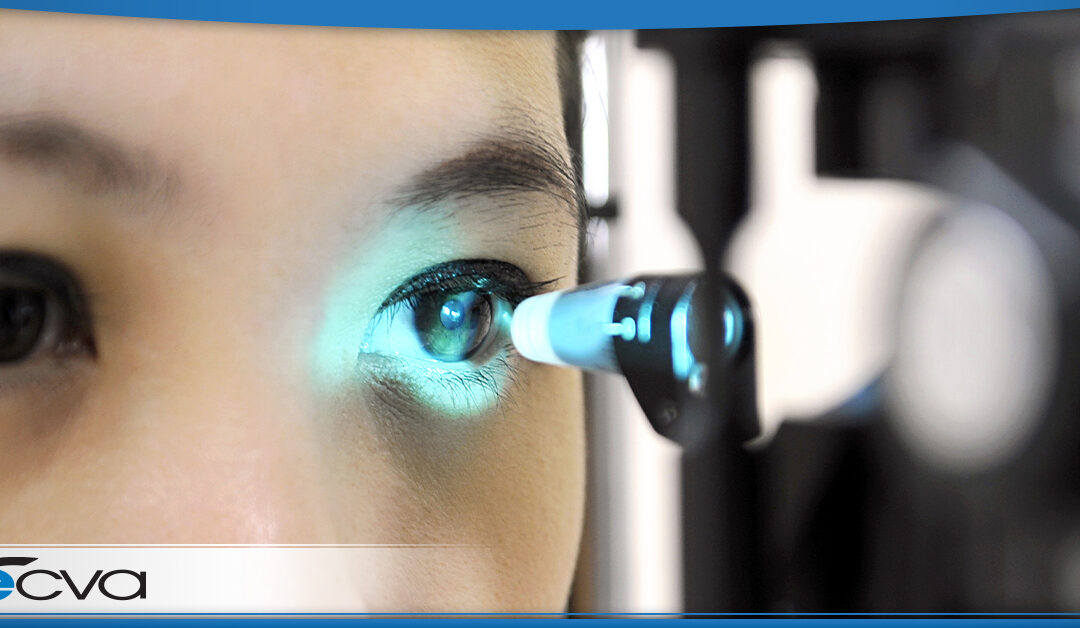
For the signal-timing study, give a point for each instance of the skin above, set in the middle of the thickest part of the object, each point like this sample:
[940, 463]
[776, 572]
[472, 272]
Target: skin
[204, 417]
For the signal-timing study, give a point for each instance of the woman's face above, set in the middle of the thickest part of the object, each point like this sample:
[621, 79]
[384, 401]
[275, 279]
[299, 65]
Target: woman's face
[254, 286]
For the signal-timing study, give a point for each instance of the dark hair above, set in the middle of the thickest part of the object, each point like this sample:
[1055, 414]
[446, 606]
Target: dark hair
[568, 59]
[568, 55]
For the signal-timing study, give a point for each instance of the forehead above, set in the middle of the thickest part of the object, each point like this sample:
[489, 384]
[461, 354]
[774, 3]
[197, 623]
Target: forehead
[174, 55]
[240, 98]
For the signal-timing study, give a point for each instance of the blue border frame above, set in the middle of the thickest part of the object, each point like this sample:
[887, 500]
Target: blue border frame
[742, 621]
[550, 14]
[757, 617]
[545, 15]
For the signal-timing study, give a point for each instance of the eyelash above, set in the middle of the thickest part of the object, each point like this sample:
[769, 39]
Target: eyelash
[459, 275]
[458, 384]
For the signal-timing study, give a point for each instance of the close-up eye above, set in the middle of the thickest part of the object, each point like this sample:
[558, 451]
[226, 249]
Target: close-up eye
[42, 311]
[22, 319]
[444, 333]
[454, 327]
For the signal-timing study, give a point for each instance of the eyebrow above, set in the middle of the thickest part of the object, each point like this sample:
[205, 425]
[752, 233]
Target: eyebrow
[512, 162]
[93, 161]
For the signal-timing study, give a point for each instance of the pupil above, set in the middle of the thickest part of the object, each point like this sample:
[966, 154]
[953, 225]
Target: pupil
[22, 320]
[452, 314]
[452, 329]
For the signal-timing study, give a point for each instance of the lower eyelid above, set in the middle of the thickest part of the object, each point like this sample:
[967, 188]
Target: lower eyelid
[410, 388]
[45, 377]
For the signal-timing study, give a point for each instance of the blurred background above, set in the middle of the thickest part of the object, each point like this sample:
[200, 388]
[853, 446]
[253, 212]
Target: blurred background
[900, 200]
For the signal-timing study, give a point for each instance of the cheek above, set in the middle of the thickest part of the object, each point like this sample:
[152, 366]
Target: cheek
[508, 483]
[534, 485]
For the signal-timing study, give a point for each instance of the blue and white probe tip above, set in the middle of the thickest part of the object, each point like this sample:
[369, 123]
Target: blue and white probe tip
[570, 327]
[651, 324]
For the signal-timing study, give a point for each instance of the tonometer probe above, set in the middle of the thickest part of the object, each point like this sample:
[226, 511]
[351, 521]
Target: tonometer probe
[653, 329]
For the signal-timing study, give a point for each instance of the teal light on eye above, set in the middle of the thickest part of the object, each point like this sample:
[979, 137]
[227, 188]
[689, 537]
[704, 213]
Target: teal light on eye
[356, 342]
[454, 362]
[433, 362]
[349, 304]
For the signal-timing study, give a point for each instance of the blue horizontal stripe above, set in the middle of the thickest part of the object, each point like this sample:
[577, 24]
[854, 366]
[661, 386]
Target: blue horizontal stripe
[756, 617]
[534, 622]
[549, 14]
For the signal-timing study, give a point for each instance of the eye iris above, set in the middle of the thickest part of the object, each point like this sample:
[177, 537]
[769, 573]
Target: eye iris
[22, 320]
[452, 329]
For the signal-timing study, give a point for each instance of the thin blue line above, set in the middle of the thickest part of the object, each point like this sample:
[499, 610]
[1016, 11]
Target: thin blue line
[543, 614]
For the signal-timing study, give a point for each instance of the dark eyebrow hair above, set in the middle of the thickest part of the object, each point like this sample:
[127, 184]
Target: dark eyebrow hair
[509, 163]
[91, 160]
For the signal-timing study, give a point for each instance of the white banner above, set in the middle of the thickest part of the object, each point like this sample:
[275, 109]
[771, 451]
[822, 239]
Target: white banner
[218, 578]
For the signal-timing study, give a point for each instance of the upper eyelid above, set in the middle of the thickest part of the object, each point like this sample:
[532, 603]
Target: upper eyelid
[506, 279]
[389, 309]
[463, 283]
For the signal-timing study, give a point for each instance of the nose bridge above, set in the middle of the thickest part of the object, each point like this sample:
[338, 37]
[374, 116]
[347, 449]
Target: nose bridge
[212, 436]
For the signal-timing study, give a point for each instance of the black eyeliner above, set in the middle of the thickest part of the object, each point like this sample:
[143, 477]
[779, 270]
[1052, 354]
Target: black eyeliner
[485, 275]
